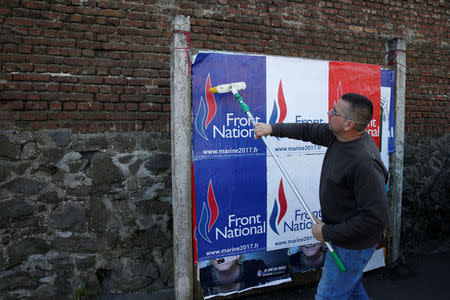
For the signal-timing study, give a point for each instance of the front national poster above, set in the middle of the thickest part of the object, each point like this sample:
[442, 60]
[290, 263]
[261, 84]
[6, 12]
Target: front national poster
[242, 203]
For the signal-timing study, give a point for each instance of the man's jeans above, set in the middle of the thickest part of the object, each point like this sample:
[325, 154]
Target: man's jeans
[338, 285]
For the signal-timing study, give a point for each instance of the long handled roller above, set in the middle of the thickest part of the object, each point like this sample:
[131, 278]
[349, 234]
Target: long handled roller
[233, 88]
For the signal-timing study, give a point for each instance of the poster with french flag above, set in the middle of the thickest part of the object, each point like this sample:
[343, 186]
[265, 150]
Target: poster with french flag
[241, 201]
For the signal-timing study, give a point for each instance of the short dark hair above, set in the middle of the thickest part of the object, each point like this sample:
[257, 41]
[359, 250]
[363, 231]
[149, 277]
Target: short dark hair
[361, 109]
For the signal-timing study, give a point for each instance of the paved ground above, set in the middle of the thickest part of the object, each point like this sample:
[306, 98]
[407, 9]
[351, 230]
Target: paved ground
[421, 278]
[426, 277]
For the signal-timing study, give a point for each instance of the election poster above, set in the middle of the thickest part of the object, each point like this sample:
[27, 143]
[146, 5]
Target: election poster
[240, 273]
[242, 203]
[220, 128]
[361, 79]
[230, 206]
[297, 92]
[288, 223]
[387, 106]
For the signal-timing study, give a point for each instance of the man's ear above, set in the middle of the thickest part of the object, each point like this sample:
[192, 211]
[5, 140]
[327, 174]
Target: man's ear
[349, 125]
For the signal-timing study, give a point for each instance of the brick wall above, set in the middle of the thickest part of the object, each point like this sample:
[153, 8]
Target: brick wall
[95, 66]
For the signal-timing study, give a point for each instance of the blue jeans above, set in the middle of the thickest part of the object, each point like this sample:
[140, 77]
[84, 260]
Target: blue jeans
[337, 285]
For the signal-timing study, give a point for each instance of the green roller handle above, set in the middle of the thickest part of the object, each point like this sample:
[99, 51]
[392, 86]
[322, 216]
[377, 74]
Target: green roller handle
[246, 110]
[338, 261]
[244, 106]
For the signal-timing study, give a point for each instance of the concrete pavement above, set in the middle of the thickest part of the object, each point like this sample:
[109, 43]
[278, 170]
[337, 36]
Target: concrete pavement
[424, 277]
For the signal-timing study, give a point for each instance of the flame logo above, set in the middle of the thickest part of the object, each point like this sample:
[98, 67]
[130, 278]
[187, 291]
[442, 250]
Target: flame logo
[210, 213]
[339, 93]
[206, 111]
[273, 221]
[275, 117]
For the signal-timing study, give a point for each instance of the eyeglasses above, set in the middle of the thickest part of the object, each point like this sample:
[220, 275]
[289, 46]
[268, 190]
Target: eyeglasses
[333, 112]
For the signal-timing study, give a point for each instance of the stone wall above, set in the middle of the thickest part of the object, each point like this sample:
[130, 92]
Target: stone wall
[84, 212]
[426, 194]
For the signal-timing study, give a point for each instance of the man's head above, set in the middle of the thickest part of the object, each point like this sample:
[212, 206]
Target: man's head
[360, 109]
[350, 115]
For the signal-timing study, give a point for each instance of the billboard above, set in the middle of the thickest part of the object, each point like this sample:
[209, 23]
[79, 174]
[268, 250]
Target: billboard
[242, 202]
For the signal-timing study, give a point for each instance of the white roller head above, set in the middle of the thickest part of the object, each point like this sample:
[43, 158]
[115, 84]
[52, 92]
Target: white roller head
[228, 87]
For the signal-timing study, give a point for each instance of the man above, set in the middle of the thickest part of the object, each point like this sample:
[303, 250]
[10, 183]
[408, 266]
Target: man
[352, 191]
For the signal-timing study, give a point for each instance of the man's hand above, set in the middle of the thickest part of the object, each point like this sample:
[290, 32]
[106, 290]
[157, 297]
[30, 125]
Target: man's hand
[262, 129]
[317, 229]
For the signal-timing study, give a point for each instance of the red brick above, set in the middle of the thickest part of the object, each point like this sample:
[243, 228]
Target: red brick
[66, 87]
[144, 107]
[20, 22]
[33, 116]
[132, 106]
[4, 116]
[113, 13]
[96, 106]
[25, 86]
[140, 81]
[52, 116]
[65, 8]
[39, 105]
[55, 106]
[107, 98]
[51, 126]
[116, 80]
[91, 11]
[33, 96]
[132, 98]
[76, 18]
[92, 89]
[96, 116]
[37, 125]
[91, 79]
[50, 24]
[25, 49]
[83, 106]
[69, 106]
[146, 116]
[66, 116]
[10, 95]
[16, 105]
[19, 77]
[21, 30]
[109, 106]
[80, 97]
[37, 77]
[68, 79]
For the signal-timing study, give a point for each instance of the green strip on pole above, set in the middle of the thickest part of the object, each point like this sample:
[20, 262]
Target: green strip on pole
[338, 261]
[244, 106]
